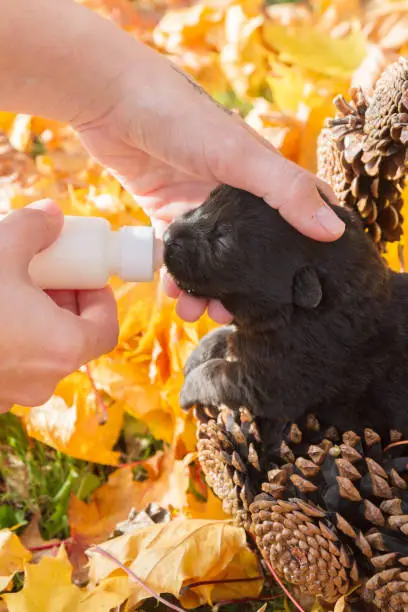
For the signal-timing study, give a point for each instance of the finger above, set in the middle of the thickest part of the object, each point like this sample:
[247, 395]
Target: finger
[301, 209]
[218, 313]
[190, 308]
[64, 299]
[327, 191]
[169, 285]
[99, 322]
[26, 232]
[5, 408]
[249, 163]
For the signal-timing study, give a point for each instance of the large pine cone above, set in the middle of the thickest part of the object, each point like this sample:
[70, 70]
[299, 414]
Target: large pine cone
[362, 153]
[328, 512]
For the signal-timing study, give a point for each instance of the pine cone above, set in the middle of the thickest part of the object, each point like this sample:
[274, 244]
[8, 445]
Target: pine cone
[229, 451]
[331, 512]
[361, 153]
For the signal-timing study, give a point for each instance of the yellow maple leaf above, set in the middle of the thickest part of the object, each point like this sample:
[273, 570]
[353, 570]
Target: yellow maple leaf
[316, 50]
[169, 557]
[71, 422]
[13, 555]
[244, 56]
[48, 587]
[145, 371]
[111, 503]
[168, 484]
[210, 509]
[107, 596]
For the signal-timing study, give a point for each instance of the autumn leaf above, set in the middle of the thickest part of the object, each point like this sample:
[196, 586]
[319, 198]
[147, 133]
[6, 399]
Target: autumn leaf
[48, 587]
[315, 50]
[244, 56]
[199, 25]
[32, 539]
[168, 484]
[170, 557]
[340, 9]
[283, 63]
[110, 504]
[71, 421]
[145, 372]
[125, 15]
[107, 596]
[284, 131]
[13, 555]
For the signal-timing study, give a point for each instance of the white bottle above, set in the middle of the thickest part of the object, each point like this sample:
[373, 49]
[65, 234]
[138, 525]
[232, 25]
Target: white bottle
[88, 252]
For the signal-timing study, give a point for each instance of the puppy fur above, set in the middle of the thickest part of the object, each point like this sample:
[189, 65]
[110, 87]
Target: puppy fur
[318, 327]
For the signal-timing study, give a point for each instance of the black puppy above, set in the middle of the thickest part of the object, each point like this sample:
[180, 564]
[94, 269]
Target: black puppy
[318, 327]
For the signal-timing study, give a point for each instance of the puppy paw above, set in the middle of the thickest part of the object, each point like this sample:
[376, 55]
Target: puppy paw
[213, 345]
[213, 383]
[201, 386]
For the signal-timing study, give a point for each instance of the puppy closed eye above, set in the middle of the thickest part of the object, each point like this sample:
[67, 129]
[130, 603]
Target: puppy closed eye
[222, 237]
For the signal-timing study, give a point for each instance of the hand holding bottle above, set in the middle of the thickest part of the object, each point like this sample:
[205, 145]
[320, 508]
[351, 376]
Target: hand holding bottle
[146, 121]
[44, 336]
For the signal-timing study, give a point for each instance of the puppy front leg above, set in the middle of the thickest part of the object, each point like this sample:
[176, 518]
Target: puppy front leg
[213, 383]
[213, 345]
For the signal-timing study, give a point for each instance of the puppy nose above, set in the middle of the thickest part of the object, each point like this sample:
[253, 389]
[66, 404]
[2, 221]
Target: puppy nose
[174, 245]
[177, 234]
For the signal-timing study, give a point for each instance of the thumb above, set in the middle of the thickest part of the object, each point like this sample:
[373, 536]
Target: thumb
[251, 163]
[26, 232]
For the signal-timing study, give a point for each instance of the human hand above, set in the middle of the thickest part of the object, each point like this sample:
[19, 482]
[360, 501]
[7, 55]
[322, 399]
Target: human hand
[44, 336]
[170, 144]
[158, 132]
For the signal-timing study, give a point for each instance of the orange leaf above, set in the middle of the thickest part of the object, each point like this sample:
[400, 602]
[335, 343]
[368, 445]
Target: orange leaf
[169, 557]
[70, 422]
[111, 503]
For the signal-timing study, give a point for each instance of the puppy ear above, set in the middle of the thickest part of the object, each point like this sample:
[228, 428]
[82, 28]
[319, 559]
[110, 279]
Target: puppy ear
[307, 290]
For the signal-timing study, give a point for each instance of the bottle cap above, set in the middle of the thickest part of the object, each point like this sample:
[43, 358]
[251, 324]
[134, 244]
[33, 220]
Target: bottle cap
[137, 253]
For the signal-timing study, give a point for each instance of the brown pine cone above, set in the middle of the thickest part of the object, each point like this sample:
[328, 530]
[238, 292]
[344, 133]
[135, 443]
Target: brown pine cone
[229, 451]
[331, 511]
[362, 153]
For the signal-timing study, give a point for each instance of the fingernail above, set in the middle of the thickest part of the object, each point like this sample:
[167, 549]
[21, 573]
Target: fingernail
[330, 221]
[46, 205]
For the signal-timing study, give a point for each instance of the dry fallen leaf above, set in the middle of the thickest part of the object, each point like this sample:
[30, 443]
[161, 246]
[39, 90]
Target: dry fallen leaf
[168, 485]
[169, 557]
[32, 539]
[71, 421]
[13, 555]
[286, 62]
[48, 588]
[316, 50]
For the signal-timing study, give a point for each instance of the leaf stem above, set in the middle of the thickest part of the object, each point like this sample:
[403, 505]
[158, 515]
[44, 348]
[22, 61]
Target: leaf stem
[103, 410]
[225, 581]
[136, 578]
[48, 546]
